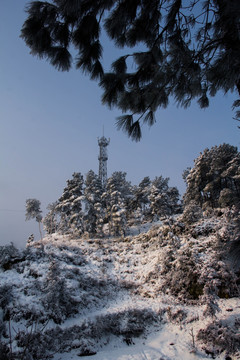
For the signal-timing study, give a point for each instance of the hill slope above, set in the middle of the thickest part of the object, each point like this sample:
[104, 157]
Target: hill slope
[169, 292]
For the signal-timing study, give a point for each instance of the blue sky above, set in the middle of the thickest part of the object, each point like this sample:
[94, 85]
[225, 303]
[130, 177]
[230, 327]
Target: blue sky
[50, 122]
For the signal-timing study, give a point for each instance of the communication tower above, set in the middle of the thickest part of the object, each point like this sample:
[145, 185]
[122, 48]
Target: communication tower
[103, 143]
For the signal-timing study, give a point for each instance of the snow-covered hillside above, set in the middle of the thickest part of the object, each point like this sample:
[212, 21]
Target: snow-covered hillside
[169, 292]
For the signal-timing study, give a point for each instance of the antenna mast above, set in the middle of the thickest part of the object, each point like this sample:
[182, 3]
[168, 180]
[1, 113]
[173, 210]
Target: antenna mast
[103, 157]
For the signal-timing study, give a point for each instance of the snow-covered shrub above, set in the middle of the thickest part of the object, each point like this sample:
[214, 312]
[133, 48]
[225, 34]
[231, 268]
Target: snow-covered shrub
[57, 299]
[216, 273]
[210, 300]
[214, 179]
[181, 275]
[226, 198]
[219, 337]
[68, 254]
[176, 315]
[198, 257]
[86, 347]
[185, 278]
[5, 295]
[153, 232]
[129, 323]
[204, 227]
[234, 248]
[191, 213]
[80, 336]
[35, 344]
[5, 351]
[178, 227]
[9, 255]
[127, 284]
[29, 312]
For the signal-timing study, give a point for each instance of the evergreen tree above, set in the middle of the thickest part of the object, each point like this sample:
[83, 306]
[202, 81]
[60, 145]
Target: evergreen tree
[117, 193]
[118, 220]
[141, 193]
[93, 203]
[50, 220]
[70, 206]
[164, 200]
[214, 181]
[33, 212]
[185, 174]
[100, 218]
[191, 50]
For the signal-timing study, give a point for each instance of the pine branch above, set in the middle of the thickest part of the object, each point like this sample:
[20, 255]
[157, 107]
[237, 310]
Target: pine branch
[120, 66]
[60, 58]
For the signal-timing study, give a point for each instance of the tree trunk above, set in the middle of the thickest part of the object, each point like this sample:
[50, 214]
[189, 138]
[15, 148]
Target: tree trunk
[39, 224]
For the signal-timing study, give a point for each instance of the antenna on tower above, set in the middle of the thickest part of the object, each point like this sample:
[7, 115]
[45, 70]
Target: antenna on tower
[103, 157]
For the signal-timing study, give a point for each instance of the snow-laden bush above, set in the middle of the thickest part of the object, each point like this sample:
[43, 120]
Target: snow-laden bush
[9, 255]
[57, 299]
[36, 344]
[214, 180]
[233, 215]
[5, 295]
[197, 258]
[217, 273]
[185, 277]
[203, 228]
[40, 343]
[86, 347]
[191, 213]
[180, 274]
[5, 351]
[210, 300]
[219, 337]
[129, 323]
[29, 312]
[68, 254]
[176, 315]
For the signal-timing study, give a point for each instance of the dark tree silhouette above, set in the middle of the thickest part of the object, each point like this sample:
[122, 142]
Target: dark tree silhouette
[189, 50]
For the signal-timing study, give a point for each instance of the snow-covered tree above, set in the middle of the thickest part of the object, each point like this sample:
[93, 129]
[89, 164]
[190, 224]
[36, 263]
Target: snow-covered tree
[118, 191]
[185, 174]
[93, 203]
[164, 200]
[33, 211]
[214, 181]
[118, 223]
[50, 220]
[140, 199]
[70, 206]
[100, 218]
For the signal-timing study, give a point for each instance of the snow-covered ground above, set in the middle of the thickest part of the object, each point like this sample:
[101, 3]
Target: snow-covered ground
[164, 342]
[114, 298]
